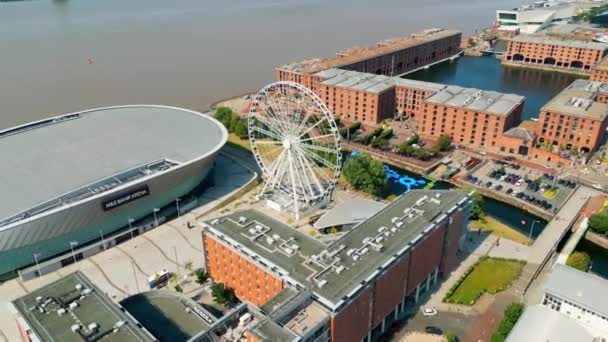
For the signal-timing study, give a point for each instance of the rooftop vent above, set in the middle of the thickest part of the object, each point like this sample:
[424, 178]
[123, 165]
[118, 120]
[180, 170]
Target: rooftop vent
[269, 240]
[322, 283]
[87, 291]
[339, 269]
[39, 299]
[73, 305]
[78, 287]
[93, 327]
[75, 328]
[242, 219]
[61, 312]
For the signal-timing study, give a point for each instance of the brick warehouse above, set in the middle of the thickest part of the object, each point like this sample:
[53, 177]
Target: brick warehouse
[549, 51]
[389, 57]
[471, 116]
[357, 285]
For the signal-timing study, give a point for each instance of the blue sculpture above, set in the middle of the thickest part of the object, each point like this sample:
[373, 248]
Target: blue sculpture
[407, 181]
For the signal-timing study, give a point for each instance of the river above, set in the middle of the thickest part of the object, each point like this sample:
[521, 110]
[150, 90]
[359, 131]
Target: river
[66, 55]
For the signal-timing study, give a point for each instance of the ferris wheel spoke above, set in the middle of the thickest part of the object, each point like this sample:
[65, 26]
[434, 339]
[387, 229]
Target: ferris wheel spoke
[320, 148]
[266, 132]
[317, 137]
[301, 134]
[308, 168]
[269, 142]
[316, 157]
[298, 176]
[264, 118]
[277, 167]
[272, 116]
[304, 176]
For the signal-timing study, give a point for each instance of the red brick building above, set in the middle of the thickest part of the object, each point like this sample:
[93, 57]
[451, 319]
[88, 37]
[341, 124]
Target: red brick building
[472, 117]
[390, 57]
[550, 51]
[410, 95]
[576, 117]
[599, 72]
[363, 282]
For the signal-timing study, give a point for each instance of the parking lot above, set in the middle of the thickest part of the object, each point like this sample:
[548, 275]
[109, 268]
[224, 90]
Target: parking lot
[546, 192]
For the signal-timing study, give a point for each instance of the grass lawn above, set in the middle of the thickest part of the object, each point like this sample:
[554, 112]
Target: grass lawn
[495, 227]
[550, 194]
[490, 275]
[234, 139]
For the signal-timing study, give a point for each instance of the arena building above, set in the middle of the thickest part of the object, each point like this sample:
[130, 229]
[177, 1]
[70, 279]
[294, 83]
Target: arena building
[80, 177]
[352, 289]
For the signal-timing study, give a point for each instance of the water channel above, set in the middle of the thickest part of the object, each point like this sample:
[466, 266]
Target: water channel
[486, 73]
[400, 181]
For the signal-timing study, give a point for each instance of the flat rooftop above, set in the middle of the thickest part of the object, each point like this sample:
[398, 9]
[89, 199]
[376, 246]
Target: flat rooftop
[578, 99]
[92, 307]
[267, 330]
[57, 156]
[582, 288]
[421, 85]
[164, 313]
[540, 323]
[361, 81]
[554, 40]
[348, 212]
[477, 100]
[357, 54]
[309, 316]
[336, 271]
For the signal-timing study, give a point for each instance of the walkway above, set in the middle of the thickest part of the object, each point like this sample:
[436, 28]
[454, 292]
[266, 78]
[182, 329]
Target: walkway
[579, 233]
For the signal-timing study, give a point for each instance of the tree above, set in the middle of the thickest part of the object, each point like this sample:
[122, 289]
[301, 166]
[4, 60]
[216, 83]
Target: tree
[502, 169]
[241, 129]
[381, 144]
[450, 336]
[511, 315]
[406, 149]
[201, 276]
[364, 173]
[178, 288]
[223, 294]
[598, 222]
[224, 115]
[574, 150]
[579, 260]
[444, 142]
[477, 211]
[422, 154]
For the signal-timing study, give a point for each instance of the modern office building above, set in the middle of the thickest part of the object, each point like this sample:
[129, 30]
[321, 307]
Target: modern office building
[555, 52]
[536, 17]
[76, 178]
[580, 296]
[390, 57]
[471, 116]
[73, 309]
[356, 286]
[576, 117]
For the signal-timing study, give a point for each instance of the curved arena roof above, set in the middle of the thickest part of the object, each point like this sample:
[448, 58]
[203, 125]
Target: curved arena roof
[82, 154]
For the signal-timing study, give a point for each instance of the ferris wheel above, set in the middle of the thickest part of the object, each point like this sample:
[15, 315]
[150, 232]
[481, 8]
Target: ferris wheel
[295, 142]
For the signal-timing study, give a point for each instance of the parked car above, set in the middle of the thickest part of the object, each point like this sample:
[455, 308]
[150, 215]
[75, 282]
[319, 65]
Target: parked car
[488, 184]
[509, 191]
[520, 182]
[433, 330]
[597, 186]
[499, 187]
[429, 311]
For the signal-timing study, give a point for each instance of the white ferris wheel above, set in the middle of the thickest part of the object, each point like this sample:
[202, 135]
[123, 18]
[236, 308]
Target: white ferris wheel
[296, 144]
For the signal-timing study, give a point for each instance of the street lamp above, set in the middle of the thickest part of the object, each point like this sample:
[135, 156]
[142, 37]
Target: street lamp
[72, 244]
[531, 230]
[177, 200]
[131, 226]
[103, 241]
[36, 255]
[155, 218]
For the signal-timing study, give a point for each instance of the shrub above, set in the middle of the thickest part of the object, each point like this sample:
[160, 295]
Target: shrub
[201, 276]
[579, 260]
[511, 315]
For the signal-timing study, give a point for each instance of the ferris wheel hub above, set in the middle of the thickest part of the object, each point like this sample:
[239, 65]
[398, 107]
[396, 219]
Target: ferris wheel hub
[287, 144]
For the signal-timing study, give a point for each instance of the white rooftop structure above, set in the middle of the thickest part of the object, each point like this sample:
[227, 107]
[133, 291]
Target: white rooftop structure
[539, 15]
[539, 323]
[352, 211]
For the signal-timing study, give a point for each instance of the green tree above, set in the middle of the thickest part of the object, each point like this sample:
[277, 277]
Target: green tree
[241, 129]
[450, 336]
[224, 115]
[574, 150]
[364, 173]
[406, 149]
[381, 144]
[477, 211]
[579, 260]
[178, 288]
[223, 294]
[598, 222]
[444, 142]
[201, 276]
[511, 315]
[422, 154]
